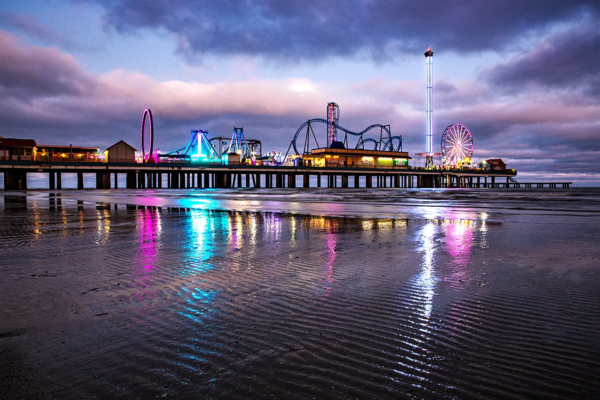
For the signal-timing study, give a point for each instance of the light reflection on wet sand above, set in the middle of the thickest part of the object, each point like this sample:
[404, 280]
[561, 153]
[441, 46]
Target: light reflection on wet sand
[146, 301]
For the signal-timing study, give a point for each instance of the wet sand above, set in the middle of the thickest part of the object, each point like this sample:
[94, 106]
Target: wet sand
[300, 294]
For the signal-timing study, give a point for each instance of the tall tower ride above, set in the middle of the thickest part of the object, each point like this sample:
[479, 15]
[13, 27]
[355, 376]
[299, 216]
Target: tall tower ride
[429, 109]
[429, 154]
[333, 118]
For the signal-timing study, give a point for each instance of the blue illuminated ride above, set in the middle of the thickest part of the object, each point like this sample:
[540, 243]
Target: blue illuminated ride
[239, 145]
[198, 149]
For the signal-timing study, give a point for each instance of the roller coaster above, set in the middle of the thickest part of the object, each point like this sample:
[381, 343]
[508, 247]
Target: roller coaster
[385, 142]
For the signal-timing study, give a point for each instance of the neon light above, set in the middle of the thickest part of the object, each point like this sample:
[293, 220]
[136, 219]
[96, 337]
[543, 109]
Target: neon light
[333, 117]
[429, 102]
[148, 112]
[199, 144]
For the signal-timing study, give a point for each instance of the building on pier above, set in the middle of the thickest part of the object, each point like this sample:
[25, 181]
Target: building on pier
[17, 149]
[355, 158]
[51, 152]
[120, 152]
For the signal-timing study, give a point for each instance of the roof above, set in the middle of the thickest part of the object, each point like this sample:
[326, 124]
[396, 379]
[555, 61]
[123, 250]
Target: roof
[17, 142]
[66, 146]
[359, 152]
[121, 141]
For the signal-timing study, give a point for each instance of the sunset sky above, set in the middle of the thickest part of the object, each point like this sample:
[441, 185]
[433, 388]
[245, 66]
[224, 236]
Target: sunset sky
[523, 76]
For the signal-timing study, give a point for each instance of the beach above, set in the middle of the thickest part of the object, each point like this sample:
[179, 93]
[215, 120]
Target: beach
[300, 293]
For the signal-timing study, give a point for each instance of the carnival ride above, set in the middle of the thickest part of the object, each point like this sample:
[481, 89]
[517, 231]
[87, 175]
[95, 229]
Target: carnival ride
[221, 145]
[198, 149]
[457, 145]
[148, 158]
[246, 148]
[201, 148]
[385, 142]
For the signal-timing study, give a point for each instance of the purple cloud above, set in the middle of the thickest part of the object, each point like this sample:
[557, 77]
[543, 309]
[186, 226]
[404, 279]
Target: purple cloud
[34, 71]
[567, 60]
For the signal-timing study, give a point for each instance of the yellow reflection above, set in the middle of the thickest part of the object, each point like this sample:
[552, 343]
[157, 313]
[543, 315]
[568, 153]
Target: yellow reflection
[103, 226]
[401, 223]
[293, 223]
[367, 225]
[385, 224]
[253, 221]
[37, 232]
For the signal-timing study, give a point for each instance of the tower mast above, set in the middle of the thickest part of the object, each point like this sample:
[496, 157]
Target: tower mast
[429, 110]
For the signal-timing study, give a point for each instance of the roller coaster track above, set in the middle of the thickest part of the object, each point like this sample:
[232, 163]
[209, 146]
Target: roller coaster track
[385, 144]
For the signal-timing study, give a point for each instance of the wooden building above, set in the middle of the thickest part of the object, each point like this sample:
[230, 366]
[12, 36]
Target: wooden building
[120, 152]
[51, 152]
[12, 149]
[496, 164]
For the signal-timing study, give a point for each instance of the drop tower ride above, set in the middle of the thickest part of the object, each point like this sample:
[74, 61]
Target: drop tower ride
[429, 154]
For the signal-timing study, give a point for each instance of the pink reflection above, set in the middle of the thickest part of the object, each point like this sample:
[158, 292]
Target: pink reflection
[149, 228]
[459, 242]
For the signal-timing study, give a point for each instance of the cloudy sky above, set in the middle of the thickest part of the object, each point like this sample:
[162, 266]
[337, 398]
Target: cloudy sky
[522, 75]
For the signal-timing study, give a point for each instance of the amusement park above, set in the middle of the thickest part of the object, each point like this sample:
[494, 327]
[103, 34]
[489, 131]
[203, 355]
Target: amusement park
[320, 147]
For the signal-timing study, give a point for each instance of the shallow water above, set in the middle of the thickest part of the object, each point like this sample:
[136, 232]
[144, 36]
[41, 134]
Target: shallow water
[300, 293]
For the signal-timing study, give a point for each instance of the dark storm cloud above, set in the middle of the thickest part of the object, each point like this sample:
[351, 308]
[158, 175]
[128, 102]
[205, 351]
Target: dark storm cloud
[566, 60]
[318, 29]
[31, 71]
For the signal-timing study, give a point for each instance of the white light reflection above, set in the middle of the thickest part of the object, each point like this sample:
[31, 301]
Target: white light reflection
[427, 279]
[330, 264]
[484, 230]
[102, 227]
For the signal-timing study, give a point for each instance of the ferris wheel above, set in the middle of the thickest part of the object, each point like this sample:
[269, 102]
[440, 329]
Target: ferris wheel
[457, 144]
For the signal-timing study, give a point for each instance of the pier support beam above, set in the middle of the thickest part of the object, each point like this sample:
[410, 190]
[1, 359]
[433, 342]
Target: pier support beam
[58, 181]
[369, 179]
[141, 180]
[80, 180]
[51, 181]
[129, 181]
[345, 181]
[102, 180]
[15, 180]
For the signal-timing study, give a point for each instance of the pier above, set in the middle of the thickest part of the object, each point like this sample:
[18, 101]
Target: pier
[186, 175]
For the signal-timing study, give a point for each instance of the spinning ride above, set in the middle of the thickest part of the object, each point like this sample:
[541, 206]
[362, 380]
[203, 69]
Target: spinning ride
[457, 144]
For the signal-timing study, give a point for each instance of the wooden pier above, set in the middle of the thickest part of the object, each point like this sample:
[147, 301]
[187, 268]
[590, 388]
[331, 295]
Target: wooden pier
[176, 176]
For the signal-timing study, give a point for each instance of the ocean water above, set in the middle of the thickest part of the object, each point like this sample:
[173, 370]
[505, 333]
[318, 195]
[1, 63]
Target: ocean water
[295, 293]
